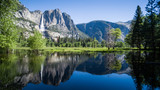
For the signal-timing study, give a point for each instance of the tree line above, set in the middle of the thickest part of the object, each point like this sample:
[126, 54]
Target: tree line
[145, 30]
[37, 41]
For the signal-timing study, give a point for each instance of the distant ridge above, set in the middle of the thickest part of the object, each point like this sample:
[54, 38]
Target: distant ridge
[99, 29]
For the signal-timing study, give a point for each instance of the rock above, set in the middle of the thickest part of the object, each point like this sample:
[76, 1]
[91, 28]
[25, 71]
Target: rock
[55, 23]
[127, 24]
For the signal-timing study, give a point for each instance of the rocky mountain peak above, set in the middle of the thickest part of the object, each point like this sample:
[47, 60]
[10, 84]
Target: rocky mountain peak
[55, 22]
[53, 17]
[57, 10]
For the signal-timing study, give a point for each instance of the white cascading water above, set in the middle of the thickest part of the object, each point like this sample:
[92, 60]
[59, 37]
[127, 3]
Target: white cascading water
[42, 25]
[41, 71]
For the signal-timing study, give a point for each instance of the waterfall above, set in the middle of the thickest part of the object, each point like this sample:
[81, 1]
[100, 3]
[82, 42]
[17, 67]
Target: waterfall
[41, 71]
[42, 25]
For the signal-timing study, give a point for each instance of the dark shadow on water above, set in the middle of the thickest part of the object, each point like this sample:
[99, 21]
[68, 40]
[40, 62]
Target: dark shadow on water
[145, 68]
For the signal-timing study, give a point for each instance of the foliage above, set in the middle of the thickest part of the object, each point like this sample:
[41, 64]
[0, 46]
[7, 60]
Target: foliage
[35, 62]
[8, 68]
[120, 44]
[116, 66]
[103, 43]
[115, 35]
[136, 28]
[151, 12]
[128, 39]
[36, 42]
[8, 33]
[145, 31]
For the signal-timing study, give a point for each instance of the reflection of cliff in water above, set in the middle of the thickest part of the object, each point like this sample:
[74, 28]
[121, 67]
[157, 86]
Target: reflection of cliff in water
[56, 68]
[57, 72]
[105, 64]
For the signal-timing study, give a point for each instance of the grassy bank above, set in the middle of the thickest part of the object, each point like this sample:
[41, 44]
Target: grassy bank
[77, 49]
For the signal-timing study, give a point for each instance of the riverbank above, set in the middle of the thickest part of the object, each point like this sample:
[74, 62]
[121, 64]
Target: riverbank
[77, 49]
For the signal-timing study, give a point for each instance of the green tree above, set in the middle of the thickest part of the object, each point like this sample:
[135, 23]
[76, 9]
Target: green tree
[145, 33]
[8, 33]
[36, 42]
[128, 39]
[95, 43]
[49, 42]
[103, 43]
[22, 41]
[136, 28]
[151, 12]
[120, 44]
[116, 34]
[158, 27]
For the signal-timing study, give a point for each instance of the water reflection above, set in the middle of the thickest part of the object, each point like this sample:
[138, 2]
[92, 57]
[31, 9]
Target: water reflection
[18, 70]
[105, 64]
[59, 68]
[145, 69]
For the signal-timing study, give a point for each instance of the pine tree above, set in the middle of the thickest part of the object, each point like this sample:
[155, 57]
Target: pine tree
[103, 43]
[145, 33]
[136, 28]
[151, 9]
[158, 26]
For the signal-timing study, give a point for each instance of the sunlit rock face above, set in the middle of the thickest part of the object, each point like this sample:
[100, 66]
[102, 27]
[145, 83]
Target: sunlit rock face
[55, 23]
[34, 16]
[54, 18]
[27, 19]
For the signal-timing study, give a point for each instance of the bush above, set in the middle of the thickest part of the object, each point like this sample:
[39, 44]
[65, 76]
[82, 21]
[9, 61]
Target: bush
[36, 41]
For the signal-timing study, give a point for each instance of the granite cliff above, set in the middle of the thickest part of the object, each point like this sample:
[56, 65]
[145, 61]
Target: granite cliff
[55, 23]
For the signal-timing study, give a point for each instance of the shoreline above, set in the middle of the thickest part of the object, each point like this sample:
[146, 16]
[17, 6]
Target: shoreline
[79, 49]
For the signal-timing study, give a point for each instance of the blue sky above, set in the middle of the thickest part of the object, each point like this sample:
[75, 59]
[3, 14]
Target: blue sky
[83, 11]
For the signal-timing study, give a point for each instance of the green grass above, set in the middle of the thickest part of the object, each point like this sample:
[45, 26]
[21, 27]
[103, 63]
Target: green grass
[77, 49]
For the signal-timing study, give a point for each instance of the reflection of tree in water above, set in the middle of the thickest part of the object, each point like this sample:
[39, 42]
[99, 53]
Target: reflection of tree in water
[103, 64]
[116, 65]
[146, 69]
[8, 68]
[35, 62]
[15, 68]
[52, 69]
[112, 62]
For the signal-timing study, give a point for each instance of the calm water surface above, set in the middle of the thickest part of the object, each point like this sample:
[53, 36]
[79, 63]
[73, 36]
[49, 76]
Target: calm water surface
[93, 71]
